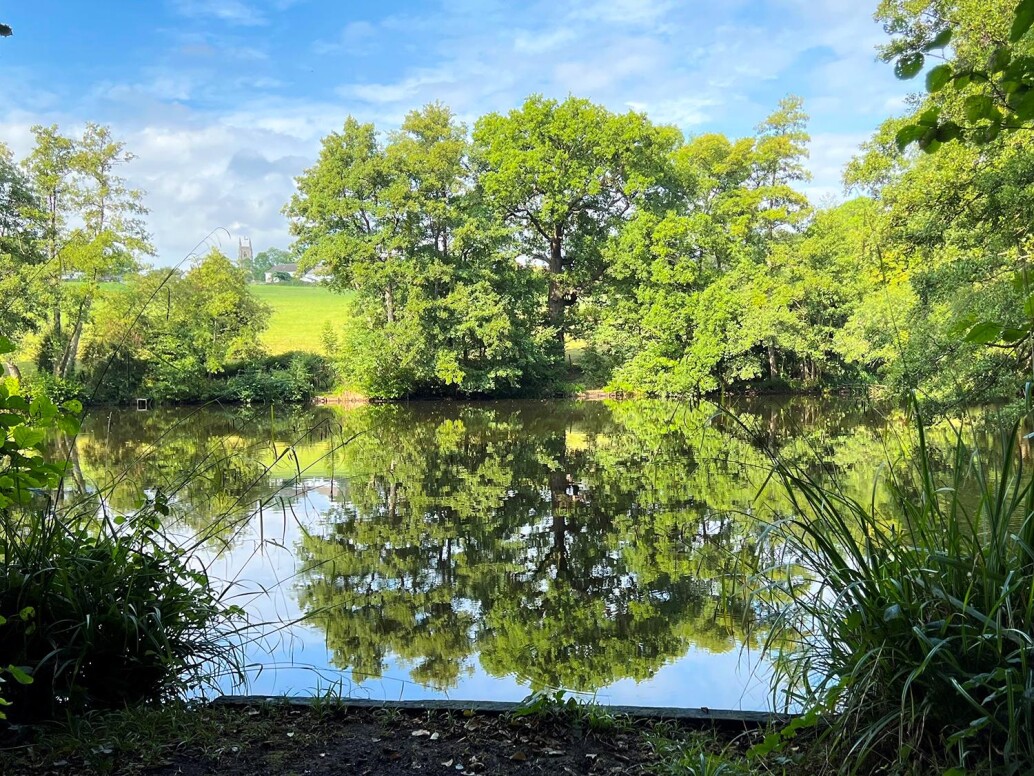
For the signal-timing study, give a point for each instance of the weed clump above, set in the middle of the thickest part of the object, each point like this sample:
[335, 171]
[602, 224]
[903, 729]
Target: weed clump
[909, 628]
[96, 611]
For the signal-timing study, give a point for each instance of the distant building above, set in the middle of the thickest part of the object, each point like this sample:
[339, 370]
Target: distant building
[279, 273]
[282, 273]
[245, 255]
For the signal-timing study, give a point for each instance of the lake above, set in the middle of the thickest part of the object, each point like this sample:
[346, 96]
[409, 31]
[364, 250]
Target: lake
[488, 550]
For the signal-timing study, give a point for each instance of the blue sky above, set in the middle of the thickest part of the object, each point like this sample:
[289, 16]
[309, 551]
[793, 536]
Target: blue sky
[224, 101]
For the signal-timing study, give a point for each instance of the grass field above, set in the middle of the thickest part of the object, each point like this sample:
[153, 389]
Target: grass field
[299, 316]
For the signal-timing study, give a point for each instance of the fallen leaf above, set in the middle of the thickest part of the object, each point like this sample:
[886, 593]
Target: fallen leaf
[420, 733]
[554, 752]
[290, 734]
[448, 763]
[435, 736]
[519, 757]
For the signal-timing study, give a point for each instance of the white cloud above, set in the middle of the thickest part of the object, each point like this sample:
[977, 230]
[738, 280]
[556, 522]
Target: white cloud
[236, 12]
[355, 38]
[222, 119]
[830, 153]
[647, 13]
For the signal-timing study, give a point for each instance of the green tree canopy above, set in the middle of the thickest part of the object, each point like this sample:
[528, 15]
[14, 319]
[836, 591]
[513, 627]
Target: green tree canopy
[565, 174]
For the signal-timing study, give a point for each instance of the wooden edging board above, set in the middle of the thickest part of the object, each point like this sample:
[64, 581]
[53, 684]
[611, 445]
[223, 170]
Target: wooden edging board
[700, 715]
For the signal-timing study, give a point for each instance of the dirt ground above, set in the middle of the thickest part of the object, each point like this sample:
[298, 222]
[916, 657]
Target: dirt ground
[278, 740]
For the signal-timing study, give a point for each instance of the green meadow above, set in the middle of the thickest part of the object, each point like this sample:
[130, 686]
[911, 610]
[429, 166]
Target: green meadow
[300, 314]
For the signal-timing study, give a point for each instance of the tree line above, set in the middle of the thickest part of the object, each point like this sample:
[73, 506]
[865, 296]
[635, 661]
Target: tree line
[676, 266]
[79, 301]
[484, 260]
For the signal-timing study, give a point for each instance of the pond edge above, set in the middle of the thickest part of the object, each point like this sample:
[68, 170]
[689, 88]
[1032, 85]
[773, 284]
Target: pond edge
[698, 715]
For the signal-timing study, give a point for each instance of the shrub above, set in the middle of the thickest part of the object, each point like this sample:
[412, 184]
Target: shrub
[94, 611]
[59, 390]
[112, 615]
[294, 378]
[914, 629]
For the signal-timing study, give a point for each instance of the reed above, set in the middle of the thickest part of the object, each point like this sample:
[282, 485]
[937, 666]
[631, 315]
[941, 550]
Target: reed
[909, 630]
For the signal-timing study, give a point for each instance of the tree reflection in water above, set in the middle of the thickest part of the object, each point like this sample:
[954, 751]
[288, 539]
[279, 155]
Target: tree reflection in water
[573, 544]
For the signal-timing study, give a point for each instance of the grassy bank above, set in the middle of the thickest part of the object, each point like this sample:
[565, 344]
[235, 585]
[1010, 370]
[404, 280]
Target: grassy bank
[300, 315]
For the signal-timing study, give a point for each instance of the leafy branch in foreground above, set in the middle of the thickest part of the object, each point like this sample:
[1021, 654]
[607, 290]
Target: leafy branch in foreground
[995, 94]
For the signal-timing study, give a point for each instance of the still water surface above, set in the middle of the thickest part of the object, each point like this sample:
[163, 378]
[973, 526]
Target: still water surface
[487, 550]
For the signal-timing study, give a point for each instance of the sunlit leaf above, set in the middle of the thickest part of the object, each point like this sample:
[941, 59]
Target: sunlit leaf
[978, 106]
[938, 78]
[929, 117]
[984, 332]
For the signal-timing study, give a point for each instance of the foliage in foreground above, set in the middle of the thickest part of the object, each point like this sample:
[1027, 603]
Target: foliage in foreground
[98, 611]
[115, 615]
[914, 624]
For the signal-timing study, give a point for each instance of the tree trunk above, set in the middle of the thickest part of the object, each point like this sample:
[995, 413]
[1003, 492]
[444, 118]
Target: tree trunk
[557, 306]
[12, 369]
[389, 303]
[773, 366]
[66, 365]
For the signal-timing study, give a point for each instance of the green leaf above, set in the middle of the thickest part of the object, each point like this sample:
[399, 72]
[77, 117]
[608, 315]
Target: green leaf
[929, 142]
[1022, 103]
[8, 419]
[6, 346]
[942, 39]
[948, 131]
[909, 66]
[909, 134]
[1023, 281]
[1000, 59]
[938, 78]
[19, 674]
[26, 437]
[1023, 18]
[978, 106]
[18, 404]
[986, 134]
[928, 118]
[984, 332]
